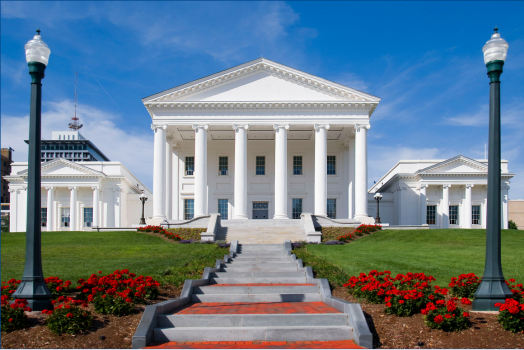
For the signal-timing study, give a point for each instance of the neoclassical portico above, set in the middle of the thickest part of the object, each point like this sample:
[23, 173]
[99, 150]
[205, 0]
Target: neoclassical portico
[260, 140]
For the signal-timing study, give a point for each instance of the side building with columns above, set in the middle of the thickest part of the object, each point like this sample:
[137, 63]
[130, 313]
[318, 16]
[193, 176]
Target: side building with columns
[77, 196]
[260, 141]
[449, 193]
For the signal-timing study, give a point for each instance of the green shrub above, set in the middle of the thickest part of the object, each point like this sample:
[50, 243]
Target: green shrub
[465, 285]
[446, 316]
[68, 317]
[116, 305]
[512, 225]
[13, 315]
[511, 315]
[186, 233]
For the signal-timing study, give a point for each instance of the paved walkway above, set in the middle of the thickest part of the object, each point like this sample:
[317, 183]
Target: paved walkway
[335, 344]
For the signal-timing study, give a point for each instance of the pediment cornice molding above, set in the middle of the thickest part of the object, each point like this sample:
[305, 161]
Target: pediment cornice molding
[458, 159]
[87, 172]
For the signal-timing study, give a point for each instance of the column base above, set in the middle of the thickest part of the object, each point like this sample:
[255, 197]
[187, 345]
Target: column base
[155, 220]
[490, 291]
[240, 217]
[280, 217]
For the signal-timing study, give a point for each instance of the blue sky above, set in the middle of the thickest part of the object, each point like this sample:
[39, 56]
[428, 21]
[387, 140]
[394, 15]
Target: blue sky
[424, 59]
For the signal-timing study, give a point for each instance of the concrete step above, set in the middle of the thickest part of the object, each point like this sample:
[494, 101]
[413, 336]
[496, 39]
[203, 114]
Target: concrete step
[256, 298]
[273, 333]
[235, 268]
[251, 320]
[262, 258]
[255, 289]
[261, 263]
[235, 274]
[244, 280]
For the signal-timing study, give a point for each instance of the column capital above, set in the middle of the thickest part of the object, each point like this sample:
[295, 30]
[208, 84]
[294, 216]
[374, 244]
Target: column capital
[446, 185]
[204, 126]
[321, 126]
[504, 187]
[50, 188]
[362, 126]
[117, 190]
[421, 186]
[13, 190]
[154, 127]
[280, 126]
[469, 186]
[238, 126]
[95, 187]
[72, 187]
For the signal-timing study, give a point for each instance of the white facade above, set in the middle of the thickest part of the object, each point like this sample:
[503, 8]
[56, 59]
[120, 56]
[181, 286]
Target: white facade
[78, 196]
[239, 135]
[448, 193]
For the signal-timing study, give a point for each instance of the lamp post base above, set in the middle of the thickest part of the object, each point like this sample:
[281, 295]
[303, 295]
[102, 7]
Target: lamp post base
[142, 221]
[36, 293]
[489, 293]
[377, 220]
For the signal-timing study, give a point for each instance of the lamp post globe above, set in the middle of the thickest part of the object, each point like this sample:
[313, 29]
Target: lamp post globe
[143, 199]
[377, 197]
[32, 286]
[493, 288]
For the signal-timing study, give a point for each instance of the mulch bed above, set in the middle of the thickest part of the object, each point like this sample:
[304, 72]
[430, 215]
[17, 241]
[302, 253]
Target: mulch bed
[393, 332]
[116, 332]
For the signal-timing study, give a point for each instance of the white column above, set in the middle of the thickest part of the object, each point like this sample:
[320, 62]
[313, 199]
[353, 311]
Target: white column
[351, 184]
[321, 169]
[504, 206]
[240, 178]
[361, 170]
[174, 184]
[200, 170]
[423, 208]
[59, 217]
[445, 206]
[50, 207]
[95, 205]
[117, 202]
[81, 216]
[159, 172]
[72, 209]
[169, 178]
[281, 171]
[467, 217]
[13, 210]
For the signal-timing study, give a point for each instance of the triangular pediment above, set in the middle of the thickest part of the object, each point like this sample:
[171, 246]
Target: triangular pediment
[63, 167]
[261, 80]
[456, 165]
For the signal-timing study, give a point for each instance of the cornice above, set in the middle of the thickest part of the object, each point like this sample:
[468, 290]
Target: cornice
[48, 165]
[458, 159]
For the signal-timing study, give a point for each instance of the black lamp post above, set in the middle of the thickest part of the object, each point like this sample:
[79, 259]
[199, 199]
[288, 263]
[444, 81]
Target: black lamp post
[143, 198]
[377, 197]
[493, 288]
[33, 287]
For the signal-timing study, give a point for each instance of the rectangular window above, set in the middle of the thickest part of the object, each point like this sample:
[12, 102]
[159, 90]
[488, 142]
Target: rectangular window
[190, 166]
[189, 209]
[297, 165]
[43, 216]
[453, 214]
[475, 214]
[332, 208]
[65, 217]
[431, 211]
[88, 217]
[331, 165]
[222, 165]
[297, 208]
[261, 165]
[223, 209]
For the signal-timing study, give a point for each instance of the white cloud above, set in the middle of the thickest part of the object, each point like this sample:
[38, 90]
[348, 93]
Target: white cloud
[13, 70]
[134, 150]
[480, 118]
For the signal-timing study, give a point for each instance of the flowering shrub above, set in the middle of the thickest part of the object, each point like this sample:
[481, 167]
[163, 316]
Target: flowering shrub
[222, 244]
[332, 233]
[511, 315]
[159, 229]
[58, 287]
[68, 317]
[334, 242]
[10, 286]
[298, 244]
[404, 295]
[517, 290]
[187, 232]
[366, 229]
[345, 238]
[118, 292]
[446, 315]
[13, 316]
[465, 285]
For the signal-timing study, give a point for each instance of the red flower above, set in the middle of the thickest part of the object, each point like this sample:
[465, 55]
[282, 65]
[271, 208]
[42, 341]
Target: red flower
[69, 315]
[466, 314]
[448, 316]
[10, 320]
[388, 304]
[401, 301]
[438, 319]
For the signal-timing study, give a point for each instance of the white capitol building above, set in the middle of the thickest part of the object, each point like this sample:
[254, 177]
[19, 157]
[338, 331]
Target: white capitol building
[265, 141]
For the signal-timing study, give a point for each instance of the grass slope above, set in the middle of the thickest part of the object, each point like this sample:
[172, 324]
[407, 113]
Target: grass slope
[75, 255]
[440, 253]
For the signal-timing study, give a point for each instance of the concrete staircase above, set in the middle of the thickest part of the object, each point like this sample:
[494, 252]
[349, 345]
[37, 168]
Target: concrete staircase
[261, 231]
[262, 294]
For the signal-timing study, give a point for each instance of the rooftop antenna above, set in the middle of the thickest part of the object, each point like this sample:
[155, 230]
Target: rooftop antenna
[74, 125]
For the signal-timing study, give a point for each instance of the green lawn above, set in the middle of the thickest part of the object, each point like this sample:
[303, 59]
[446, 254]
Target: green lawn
[440, 253]
[75, 255]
